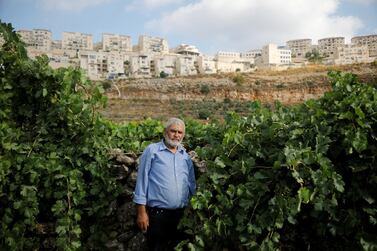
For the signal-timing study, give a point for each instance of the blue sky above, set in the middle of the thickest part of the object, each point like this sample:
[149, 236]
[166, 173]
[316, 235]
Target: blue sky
[211, 25]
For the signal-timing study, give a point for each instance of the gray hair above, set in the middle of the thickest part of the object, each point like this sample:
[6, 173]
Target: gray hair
[174, 121]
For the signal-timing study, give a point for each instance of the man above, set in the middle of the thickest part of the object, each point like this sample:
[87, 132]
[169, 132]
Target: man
[165, 182]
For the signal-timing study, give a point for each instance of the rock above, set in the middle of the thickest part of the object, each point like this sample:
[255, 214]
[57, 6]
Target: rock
[137, 243]
[127, 213]
[119, 156]
[201, 165]
[132, 179]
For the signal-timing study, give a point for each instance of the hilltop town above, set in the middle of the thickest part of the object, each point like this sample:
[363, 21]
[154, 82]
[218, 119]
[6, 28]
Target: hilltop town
[116, 58]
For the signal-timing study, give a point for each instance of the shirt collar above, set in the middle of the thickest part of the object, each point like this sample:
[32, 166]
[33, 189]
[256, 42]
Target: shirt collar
[162, 147]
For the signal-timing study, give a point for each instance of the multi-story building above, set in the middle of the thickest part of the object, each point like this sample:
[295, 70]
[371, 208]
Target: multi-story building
[114, 42]
[185, 65]
[185, 49]
[56, 45]
[299, 48]
[369, 40]
[227, 56]
[100, 65]
[39, 39]
[251, 55]
[140, 65]
[206, 64]
[273, 55]
[152, 45]
[77, 41]
[352, 53]
[232, 61]
[328, 46]
[164, 63]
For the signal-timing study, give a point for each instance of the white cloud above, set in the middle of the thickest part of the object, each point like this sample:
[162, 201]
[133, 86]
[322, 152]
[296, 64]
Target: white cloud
[149, 4]
[71, 5]
[247, 24]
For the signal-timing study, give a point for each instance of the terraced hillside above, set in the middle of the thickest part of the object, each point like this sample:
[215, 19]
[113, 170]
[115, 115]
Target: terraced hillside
[212, 96]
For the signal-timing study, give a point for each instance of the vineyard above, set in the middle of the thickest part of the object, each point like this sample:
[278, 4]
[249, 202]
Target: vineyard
[302, 177]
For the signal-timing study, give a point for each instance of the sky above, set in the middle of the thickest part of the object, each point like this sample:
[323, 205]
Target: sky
[210, 25]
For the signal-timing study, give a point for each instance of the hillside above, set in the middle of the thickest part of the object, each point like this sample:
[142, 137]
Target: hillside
[212, 96]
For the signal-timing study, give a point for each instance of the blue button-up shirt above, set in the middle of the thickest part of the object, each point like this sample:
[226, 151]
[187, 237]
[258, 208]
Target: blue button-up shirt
[164, 179]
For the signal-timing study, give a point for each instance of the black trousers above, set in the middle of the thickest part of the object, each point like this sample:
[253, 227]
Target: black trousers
[162, 233]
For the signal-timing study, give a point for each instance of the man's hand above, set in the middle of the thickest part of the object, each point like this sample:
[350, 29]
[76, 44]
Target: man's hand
[142, 218]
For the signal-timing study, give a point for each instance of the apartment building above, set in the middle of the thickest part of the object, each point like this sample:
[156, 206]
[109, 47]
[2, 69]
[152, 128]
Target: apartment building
[77, 41]
[56, 45]
[369, 40]
[140, 65]
[328, 46]
[273, 55]
[164, 63]
[185, 49]
[352, 53]
[206, 64]
[299, 48]
[185, 65]
[39, 39]
[152, 45]
[115, 42]
[251, 55]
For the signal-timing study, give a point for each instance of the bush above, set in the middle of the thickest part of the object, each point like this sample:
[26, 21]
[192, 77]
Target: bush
[238, 79]
[204, 89]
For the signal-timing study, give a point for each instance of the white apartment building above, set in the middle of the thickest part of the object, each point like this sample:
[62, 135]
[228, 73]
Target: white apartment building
[352, 53]
[152, 45]
[273, 55]
[77, 41]
[227, 56]
[164, 63]
[115, 42]
[56, 45]
[39, 39]
[299, 48]
[232, 61]
[328, 46]
[140, 66]
[251, 55]
[100, 65]
[186, 49]
[369, 40]
[185, 65]
[206, 64]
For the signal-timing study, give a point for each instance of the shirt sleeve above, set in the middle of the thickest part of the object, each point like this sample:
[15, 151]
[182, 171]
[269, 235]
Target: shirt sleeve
[192, 181]
[141, 189]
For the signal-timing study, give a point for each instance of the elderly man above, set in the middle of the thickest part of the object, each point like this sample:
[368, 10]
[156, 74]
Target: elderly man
[165, 182]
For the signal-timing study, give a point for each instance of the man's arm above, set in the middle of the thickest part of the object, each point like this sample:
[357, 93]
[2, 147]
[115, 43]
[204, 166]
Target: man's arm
[142, 217]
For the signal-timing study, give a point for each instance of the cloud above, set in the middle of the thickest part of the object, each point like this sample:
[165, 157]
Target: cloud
[149, 4]
[249, 24]
[71, 5]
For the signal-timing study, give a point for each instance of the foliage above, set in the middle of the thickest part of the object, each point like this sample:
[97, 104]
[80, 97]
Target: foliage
[294, 178]
[163, 74]
[313, 56]
[204, 89]
[238, 79]
[53, 153]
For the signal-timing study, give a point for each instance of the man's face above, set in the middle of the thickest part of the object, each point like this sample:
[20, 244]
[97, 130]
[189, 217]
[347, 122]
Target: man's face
[174, 135]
